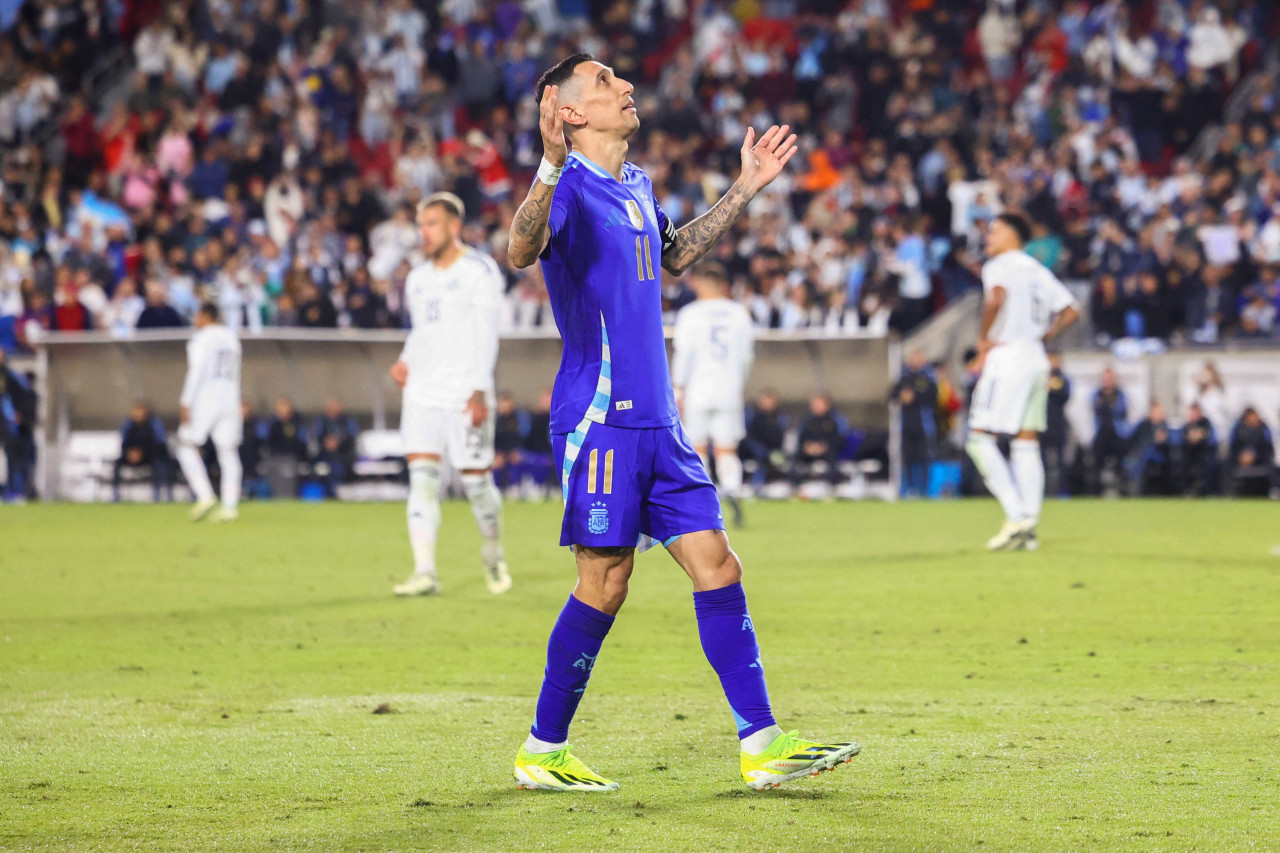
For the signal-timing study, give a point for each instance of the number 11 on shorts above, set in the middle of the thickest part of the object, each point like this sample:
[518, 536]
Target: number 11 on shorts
[593, 470]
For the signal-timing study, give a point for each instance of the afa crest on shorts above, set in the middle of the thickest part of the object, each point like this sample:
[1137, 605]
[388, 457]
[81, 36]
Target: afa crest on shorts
[633, 211]
[598, 519]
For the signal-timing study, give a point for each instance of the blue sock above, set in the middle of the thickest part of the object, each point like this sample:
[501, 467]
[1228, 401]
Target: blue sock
[729, 642]
[571, 654]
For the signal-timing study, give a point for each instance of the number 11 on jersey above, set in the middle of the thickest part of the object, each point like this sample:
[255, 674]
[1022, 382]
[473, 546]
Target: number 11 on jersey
[593, 472]
[644, 260]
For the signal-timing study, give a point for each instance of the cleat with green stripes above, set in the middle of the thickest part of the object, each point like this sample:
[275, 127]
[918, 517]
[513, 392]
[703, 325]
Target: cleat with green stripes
[557, 771]
[789, 757]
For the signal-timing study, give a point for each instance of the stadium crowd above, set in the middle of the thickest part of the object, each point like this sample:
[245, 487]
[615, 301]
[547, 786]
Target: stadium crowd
[267, 155]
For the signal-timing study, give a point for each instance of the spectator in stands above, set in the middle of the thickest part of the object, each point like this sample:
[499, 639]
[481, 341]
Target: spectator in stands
[17, 436]
[1107, 310]
[1111, 430]
[1258, 319]
[69, 313]
[144, 447]
[911, 265]
[1251, 455]
[1151, 460]
[1053, 441]
[124, 310]
[1199, 453]
[35, 320]
[306, 114]
[917, 395]
[315, 308]
[763, 450]
[820, 442]
[335, 435]
[158, 313]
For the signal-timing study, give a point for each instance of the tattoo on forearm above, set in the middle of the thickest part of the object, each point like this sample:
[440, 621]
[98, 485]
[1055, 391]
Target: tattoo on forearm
[696, 239]
[529, 224]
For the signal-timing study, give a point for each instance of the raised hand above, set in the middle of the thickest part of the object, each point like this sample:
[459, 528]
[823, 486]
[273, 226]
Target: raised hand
[554, 146]
[763, 161]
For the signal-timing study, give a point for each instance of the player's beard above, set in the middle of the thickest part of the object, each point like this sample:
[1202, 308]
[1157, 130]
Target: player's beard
[439, 252]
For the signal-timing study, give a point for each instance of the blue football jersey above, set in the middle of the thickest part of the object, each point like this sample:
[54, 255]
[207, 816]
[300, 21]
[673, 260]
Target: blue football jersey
[603, 271]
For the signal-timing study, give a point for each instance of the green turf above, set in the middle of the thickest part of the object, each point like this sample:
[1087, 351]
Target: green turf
[170, 686]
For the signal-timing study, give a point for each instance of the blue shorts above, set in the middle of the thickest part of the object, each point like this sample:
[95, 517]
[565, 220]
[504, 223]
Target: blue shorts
[623, 484]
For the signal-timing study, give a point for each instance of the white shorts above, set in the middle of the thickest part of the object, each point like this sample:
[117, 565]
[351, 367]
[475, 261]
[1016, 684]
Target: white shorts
[723, 428]
[1011, 396]
[226, 428]
[424, 429]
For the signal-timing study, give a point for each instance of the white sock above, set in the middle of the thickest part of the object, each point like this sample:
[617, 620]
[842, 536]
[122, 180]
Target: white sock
[532, 744]
[424, 514]
[232, 472]
[757, 742]
[995, 472]
[193, 469]
[1028, 468]
[486, 506]
[729, 473]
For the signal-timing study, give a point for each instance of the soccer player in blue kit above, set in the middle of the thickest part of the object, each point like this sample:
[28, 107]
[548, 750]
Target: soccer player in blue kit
[629, 475]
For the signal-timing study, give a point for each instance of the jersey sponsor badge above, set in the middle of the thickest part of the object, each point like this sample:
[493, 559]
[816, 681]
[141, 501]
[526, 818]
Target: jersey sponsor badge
[633, 211]
[622, 405]
[598, 519]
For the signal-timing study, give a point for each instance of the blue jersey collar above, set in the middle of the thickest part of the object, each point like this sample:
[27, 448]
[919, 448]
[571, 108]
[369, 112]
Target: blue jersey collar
[594, 166]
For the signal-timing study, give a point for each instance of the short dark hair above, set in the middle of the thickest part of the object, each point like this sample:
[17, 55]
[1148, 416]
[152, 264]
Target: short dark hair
[713, 271]
[1019, 224]
[210, 310]
[560, 73]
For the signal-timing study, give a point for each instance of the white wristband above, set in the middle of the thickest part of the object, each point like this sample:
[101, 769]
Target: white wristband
[549, 174]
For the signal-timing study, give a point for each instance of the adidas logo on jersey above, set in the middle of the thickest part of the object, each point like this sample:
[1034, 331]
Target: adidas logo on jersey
[622, 405]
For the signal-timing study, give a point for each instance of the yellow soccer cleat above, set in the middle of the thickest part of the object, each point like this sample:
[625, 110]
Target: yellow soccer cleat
[557, 771]
[789, 757]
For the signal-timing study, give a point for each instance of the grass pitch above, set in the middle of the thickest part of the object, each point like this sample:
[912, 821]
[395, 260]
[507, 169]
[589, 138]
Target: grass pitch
[170, 686]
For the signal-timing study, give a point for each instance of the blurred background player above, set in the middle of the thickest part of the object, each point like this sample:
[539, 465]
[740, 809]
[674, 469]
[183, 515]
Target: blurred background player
[211, 409]
[446, 371]
[1024, 306]
[629, 474]
[714, 345]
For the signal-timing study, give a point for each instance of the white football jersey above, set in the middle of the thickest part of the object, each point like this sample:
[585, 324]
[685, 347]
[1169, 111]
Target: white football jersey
[213, 371]
[1033, 295]
[453, 345]
[714, 346]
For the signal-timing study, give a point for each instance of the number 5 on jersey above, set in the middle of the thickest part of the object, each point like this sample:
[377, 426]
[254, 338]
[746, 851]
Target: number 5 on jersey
[593, 470]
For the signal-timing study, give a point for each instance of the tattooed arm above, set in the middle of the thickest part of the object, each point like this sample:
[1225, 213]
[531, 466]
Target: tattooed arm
[761, 163]
[529, 232]
[696, 239]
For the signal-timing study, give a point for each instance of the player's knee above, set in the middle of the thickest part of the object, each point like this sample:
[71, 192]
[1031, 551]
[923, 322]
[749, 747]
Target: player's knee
[727, 571]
